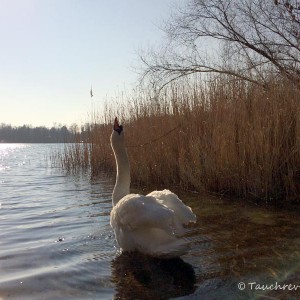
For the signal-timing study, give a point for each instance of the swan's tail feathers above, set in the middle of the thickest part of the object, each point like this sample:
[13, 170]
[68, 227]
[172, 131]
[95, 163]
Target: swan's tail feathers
[159, 243]
[177, 248]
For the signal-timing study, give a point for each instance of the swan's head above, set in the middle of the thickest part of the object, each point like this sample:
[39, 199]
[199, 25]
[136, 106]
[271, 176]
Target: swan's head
[117, 136]
[118, 128]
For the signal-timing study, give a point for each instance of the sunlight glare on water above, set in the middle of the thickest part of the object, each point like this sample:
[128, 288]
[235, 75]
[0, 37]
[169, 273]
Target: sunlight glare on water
[6, 150]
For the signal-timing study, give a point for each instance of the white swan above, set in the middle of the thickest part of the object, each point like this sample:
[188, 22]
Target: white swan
[151, 224]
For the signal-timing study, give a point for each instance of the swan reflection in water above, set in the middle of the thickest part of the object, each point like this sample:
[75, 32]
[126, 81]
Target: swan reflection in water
[138, 276]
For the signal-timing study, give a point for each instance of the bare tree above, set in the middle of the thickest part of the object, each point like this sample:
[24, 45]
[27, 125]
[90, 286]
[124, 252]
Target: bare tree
[257, 38]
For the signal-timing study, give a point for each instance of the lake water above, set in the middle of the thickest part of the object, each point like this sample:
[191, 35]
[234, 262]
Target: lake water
[56, 242]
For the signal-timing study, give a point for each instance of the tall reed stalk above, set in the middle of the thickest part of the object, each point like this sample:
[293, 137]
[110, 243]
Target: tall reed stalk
[229, 137]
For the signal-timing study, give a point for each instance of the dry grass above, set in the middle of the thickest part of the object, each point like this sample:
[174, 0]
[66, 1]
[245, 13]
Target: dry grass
[231, 137]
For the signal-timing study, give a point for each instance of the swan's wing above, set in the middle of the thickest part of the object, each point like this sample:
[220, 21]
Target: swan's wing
[182, 212]
[136, 211]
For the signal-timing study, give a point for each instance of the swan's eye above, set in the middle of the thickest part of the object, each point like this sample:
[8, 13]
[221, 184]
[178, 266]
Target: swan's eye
[119, 129]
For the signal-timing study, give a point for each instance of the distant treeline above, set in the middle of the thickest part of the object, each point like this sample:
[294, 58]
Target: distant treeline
[29, 134]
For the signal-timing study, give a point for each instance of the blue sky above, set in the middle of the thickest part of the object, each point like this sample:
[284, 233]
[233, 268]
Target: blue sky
[52, 51]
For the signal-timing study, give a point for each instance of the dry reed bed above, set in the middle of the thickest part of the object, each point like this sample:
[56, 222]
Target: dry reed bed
[228, 137]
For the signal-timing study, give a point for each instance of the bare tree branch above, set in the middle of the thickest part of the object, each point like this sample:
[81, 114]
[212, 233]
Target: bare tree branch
[259, 38]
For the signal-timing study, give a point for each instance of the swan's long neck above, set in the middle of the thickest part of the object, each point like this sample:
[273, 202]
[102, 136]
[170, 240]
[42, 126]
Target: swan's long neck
[122, 185]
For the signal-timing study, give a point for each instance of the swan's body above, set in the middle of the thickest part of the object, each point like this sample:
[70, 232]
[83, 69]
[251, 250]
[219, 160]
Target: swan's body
[151, 224]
